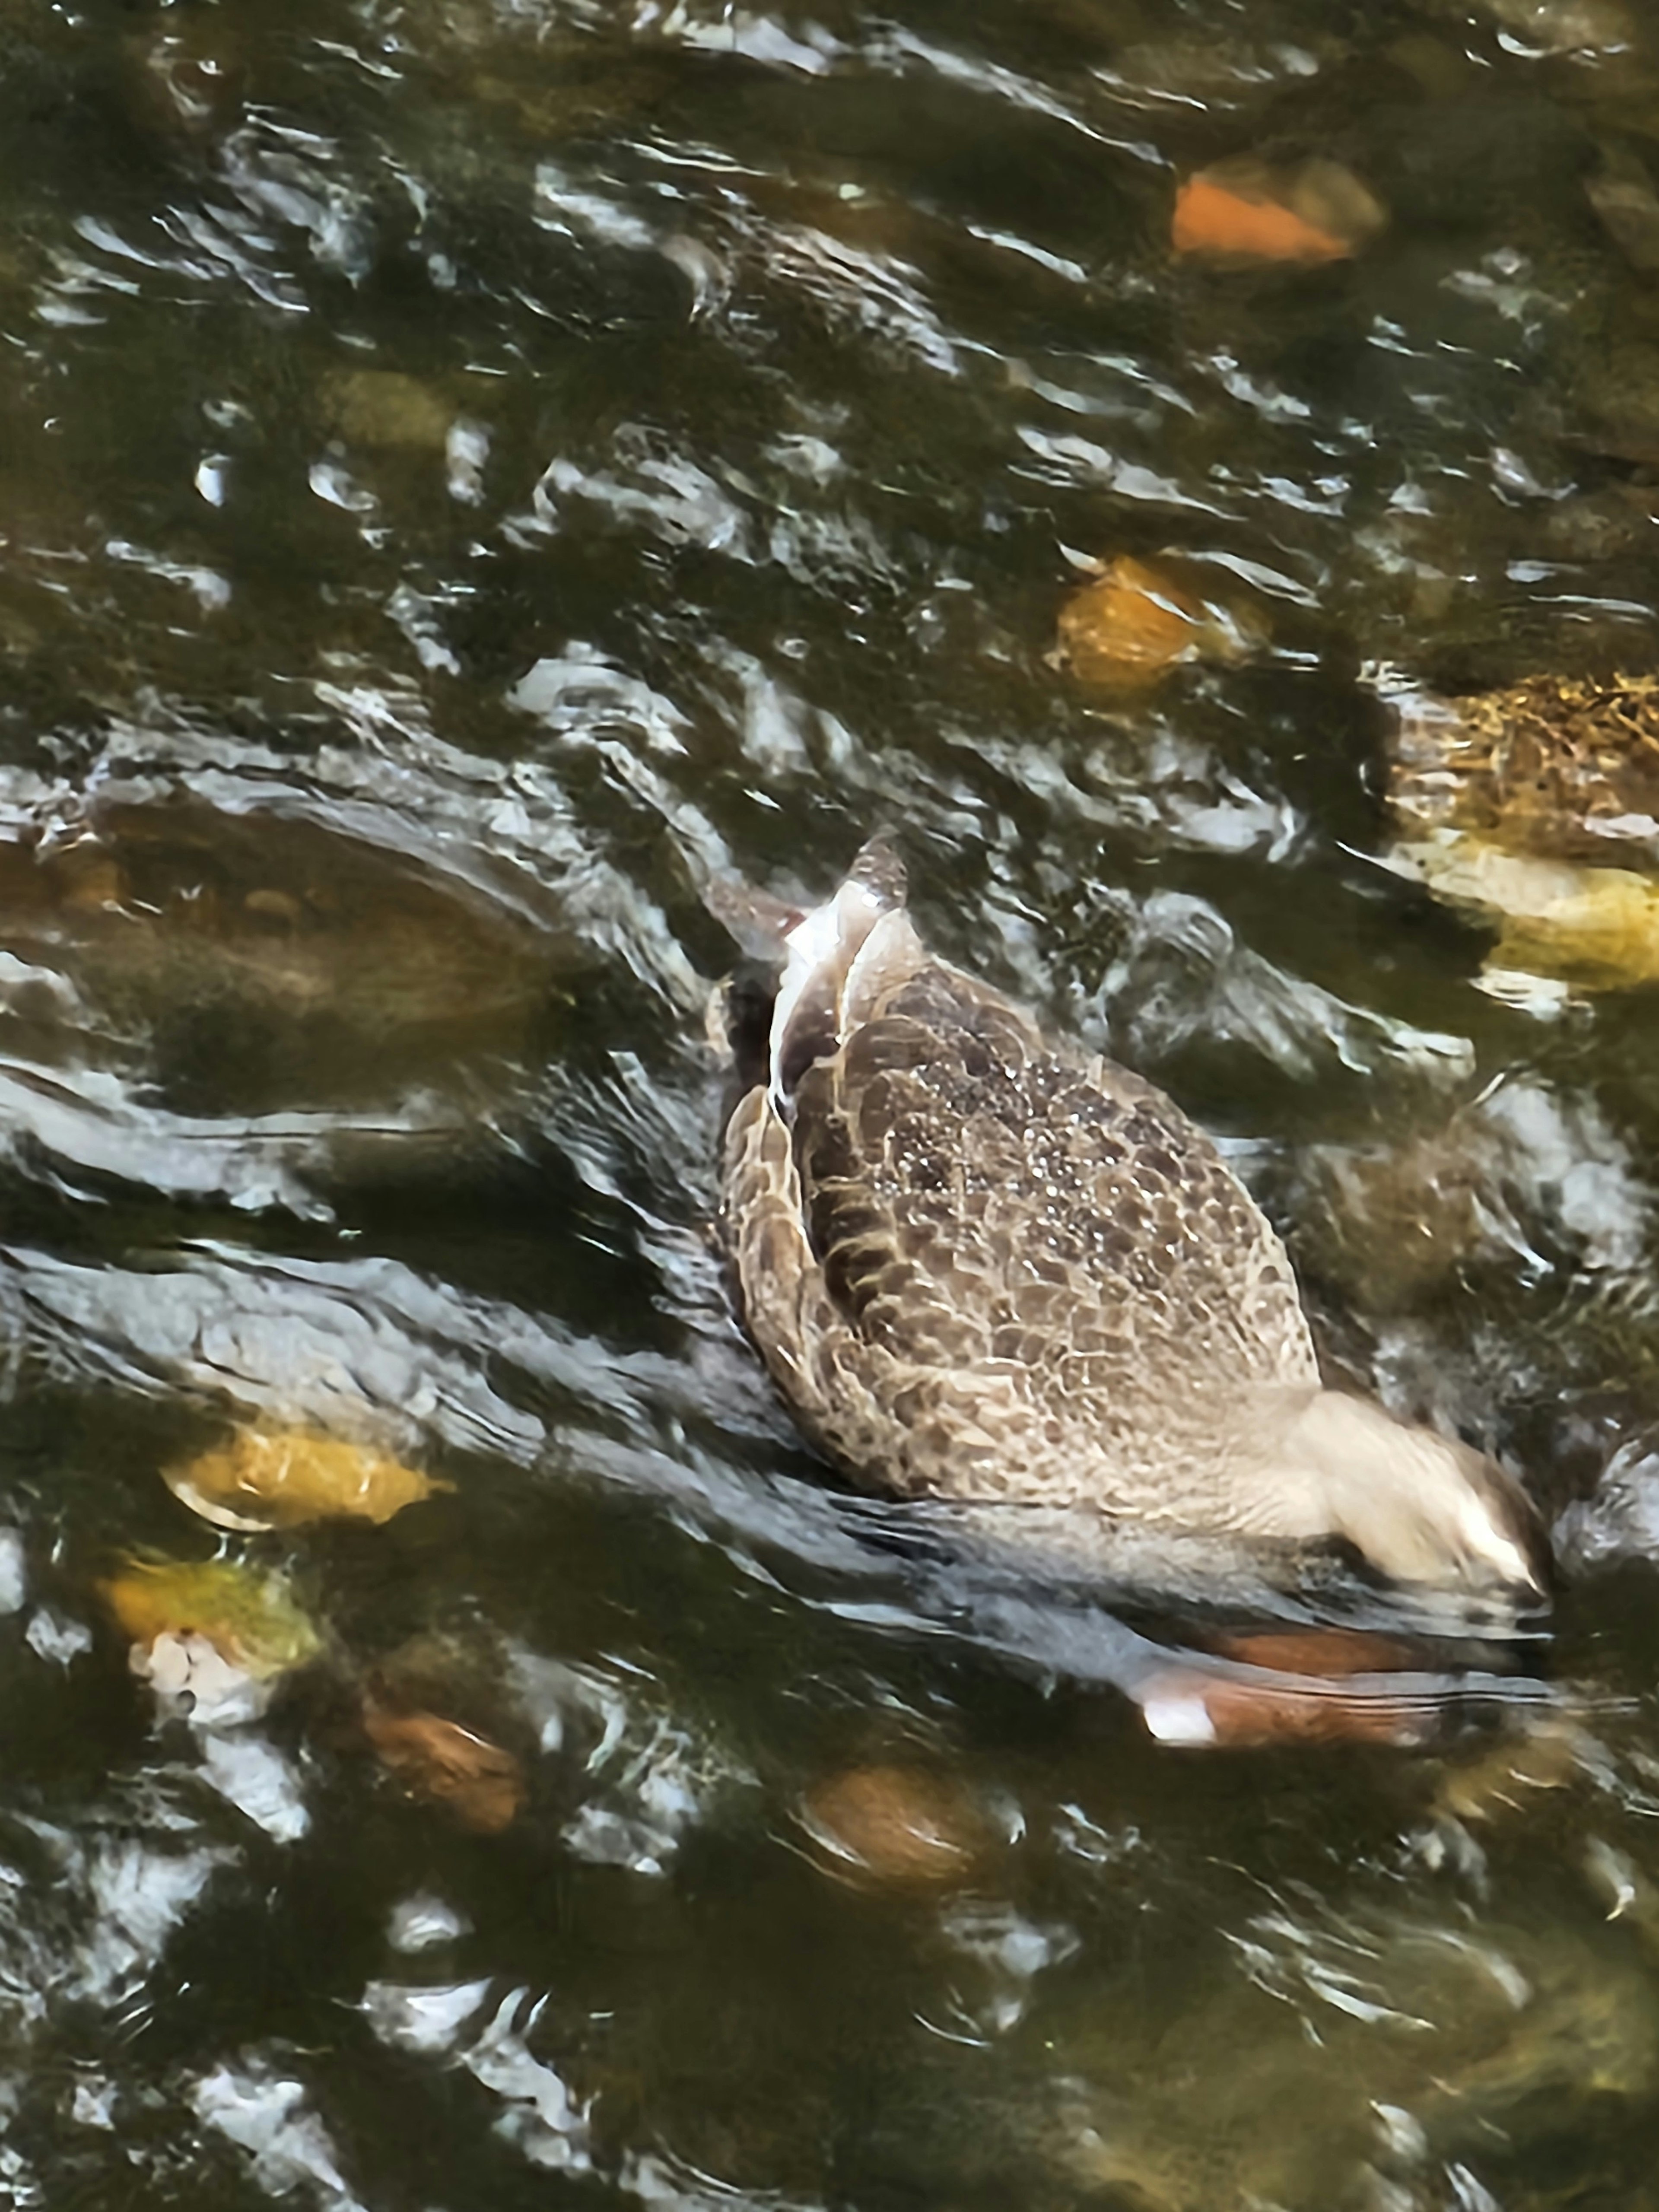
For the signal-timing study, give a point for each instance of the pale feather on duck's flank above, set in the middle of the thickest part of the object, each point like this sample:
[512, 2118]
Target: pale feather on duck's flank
[983, 1264]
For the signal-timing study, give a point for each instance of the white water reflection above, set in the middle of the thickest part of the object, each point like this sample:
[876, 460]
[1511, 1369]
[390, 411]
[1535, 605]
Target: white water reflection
[424, 1922]
[259, 1781]
[264, 2113]
[138, 1895]
[1010, 1952]
[647, 1781]
[537, 2116]
[422, 2017]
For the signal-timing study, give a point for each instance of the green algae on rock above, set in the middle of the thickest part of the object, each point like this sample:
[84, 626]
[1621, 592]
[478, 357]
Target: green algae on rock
[252, 1619]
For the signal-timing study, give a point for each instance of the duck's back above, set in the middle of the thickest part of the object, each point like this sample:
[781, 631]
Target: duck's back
[982, 1264]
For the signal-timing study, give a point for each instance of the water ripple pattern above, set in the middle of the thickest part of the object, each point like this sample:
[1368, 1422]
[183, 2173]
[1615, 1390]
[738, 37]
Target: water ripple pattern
[479, 480]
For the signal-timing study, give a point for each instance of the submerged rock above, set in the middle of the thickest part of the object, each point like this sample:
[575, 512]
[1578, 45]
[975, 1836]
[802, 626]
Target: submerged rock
[433, 1711]
[1622, 194]
[1537, 805]
[266, 952]
[901, 1826]
[1204, 67]
[1559, 27]
[250, 1619]
[1398, 2039]
[482, 1785]
[1556, 767]
[1593, 928]
[1506, 1780]
[383, 407]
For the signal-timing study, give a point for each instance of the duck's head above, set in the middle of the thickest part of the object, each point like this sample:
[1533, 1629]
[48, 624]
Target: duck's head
[1422, 1508]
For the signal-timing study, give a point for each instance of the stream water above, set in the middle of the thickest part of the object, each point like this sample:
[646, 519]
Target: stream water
[476, 475]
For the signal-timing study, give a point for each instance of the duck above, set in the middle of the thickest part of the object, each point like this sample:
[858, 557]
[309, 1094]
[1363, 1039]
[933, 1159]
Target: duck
[987, 1266]
[1559, 768]
[1535, 808]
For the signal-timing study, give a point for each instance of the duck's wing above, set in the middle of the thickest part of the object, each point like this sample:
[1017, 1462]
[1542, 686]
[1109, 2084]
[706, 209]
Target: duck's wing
[839, 958]
[843, 958]
[977, 1263]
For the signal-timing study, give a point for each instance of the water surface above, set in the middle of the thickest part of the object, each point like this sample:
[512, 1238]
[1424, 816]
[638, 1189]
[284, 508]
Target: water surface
[471, 477]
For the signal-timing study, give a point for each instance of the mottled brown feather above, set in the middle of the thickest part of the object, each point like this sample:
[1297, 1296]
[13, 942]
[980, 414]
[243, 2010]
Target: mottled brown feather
[985, 1265]
[1554, 766]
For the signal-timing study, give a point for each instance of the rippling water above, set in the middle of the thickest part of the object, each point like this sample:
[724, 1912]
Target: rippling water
[475, 477]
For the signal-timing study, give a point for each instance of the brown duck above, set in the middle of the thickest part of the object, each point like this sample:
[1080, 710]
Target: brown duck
[987, 1266]
[1562, 767]
[1536, 808]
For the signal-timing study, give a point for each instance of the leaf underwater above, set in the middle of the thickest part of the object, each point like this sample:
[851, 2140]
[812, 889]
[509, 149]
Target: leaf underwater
[265, 1479]
[251, 1619]
[1185, 1706]
[1136, 621]
[1596, 928]
[1248, 209]
[898, 1825]
[437, 1760]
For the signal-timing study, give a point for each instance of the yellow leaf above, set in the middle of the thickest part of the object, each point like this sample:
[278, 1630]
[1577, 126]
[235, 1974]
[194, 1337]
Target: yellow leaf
[1598, 927]
[1136, 621]
[261, 1479]
[251, 1619]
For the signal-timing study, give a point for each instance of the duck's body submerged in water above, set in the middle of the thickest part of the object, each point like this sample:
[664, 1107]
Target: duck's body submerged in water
[985, 1265]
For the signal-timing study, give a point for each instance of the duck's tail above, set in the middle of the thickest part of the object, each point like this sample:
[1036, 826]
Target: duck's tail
[839, 959]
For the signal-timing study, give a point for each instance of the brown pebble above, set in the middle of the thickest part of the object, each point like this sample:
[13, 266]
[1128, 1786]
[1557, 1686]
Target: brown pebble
[898, 1825]
[1133, 623]
[478, 1782]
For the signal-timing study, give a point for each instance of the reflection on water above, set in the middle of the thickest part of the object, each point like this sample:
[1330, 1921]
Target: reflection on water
[475, 479]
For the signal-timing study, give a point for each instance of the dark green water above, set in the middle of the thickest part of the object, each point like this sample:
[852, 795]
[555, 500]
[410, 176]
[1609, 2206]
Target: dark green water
[469, 475]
